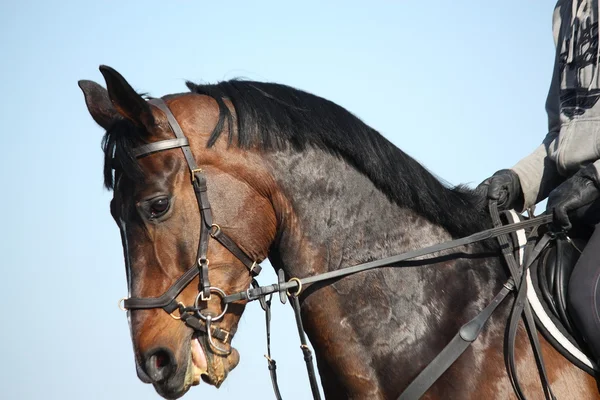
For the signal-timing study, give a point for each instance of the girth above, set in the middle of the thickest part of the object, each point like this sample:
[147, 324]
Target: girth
[192, 315]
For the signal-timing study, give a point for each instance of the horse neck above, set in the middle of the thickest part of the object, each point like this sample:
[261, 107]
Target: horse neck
[331, 216]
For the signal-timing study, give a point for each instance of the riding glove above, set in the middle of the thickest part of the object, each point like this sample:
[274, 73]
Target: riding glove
[575, 192]
[505, 187]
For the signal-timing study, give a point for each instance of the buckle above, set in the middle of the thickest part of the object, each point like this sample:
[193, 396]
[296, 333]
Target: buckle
[194, 171]
[250, 296]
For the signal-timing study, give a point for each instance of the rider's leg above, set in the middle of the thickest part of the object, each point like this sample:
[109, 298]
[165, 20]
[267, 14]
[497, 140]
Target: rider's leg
[584, 293]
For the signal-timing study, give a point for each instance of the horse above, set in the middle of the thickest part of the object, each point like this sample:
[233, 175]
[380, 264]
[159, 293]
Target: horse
[299, 180]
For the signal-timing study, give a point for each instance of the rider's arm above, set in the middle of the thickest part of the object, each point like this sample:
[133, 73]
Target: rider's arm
[538, 172]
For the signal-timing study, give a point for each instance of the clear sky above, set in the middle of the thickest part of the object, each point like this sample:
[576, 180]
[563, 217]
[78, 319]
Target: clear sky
[459, 85]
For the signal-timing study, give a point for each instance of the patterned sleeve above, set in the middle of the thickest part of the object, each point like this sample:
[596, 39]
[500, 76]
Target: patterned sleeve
[537, 172]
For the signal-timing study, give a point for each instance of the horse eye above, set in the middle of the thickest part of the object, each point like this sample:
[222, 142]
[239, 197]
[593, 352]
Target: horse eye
[158, 207]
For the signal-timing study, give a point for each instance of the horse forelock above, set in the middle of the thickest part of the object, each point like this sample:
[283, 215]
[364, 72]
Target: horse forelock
[118, 144]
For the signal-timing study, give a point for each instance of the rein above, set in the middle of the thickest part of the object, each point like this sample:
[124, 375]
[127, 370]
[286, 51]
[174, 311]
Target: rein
[298, 284]
[467, 334]
[200, 320]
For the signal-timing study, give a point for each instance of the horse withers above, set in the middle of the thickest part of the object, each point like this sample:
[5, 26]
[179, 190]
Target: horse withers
[207, 184]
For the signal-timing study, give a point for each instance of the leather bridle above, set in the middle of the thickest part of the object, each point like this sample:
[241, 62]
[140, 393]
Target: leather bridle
[194, 316]
[201, 320]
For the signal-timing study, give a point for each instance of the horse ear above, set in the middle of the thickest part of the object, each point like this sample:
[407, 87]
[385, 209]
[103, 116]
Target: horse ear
[99, 104]
[125, 100]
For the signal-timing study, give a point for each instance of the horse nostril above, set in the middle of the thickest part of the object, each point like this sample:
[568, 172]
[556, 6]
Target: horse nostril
[161, 360]
[160, 365]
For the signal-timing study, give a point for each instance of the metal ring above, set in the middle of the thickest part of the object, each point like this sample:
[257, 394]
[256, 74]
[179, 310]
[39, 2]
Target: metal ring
[122, 304]
[216, 232]
[221, 295]
[182, 306]
[297, 290]
[224, 352]
[207, 261]
[573, 244]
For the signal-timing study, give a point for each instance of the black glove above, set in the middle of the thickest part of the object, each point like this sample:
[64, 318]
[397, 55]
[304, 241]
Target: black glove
[575, 192]
[505, 187]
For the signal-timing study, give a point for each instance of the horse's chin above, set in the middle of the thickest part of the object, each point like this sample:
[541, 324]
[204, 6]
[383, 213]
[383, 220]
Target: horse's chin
[171, 393]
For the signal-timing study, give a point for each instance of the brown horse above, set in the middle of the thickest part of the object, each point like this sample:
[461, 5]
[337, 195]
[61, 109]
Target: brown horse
[300, 180]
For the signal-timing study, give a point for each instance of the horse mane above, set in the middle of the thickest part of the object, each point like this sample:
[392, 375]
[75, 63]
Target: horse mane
[271, 116]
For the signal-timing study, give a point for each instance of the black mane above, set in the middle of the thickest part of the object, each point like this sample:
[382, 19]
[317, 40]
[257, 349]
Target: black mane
[272, 116]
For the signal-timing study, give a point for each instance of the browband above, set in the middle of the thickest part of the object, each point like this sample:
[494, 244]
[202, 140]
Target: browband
[149, 148]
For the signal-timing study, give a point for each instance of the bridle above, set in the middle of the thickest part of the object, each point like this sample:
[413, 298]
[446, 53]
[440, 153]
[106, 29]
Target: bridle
[201, 320]
[193, 316]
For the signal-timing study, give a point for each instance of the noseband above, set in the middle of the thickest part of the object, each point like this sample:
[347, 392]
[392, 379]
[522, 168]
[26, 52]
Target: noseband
[193, 315]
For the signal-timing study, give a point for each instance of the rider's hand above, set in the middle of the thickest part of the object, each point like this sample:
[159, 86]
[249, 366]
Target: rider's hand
[575, 192]
[505, 187]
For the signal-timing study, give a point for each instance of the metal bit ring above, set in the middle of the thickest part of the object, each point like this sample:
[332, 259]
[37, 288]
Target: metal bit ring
[220, 294]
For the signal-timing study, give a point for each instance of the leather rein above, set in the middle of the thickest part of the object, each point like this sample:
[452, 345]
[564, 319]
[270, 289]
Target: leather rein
[200, 320]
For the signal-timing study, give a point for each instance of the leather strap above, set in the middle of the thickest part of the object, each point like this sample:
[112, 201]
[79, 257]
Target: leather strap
[226, 241]
[199, 183]
[216, 332]
[459, 343]
[165, 299]
[253, 294]
[471, 330]
[272, 364]
[521, 307]
[160, 104]
[308, 359]
[161, 145]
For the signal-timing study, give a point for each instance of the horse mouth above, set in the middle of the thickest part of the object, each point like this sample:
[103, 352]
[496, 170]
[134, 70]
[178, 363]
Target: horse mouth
[210, 367]
[202, 365]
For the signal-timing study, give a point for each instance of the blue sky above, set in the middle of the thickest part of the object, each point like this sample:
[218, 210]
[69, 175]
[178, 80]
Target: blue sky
[458, 85]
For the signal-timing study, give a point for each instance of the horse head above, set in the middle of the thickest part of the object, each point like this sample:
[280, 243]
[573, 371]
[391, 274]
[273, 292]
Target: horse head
[156, 207]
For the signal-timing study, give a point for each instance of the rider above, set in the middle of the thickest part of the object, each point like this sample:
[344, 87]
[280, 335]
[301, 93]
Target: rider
[566, 166]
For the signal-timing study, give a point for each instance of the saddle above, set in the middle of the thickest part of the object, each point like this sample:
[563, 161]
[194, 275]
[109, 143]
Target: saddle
[547, 290]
